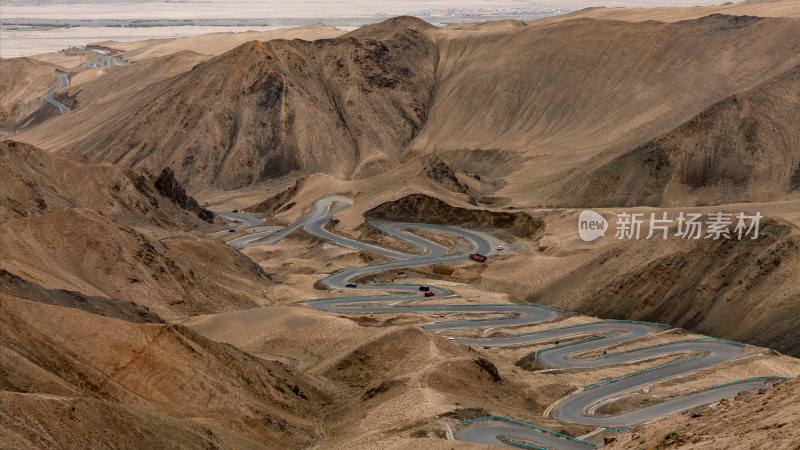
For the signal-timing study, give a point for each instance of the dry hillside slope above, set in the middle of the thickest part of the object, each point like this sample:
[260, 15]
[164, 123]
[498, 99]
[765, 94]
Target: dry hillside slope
[23, 81]
[345, 106]
[80, 250]
[145, 377]
[743, 290]
[95, 229]
[572, 95]
[538, 105]
[34, 183]
[751, 420]
[745, 147]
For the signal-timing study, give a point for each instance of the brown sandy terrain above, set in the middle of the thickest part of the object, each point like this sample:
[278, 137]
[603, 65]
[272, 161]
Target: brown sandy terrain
[742, 147]
[171, 278]
[478, 126]
[563, 110]
[23, 81]
[263, 78]
[69, 365]
[761, 8]
[399, 379]
[702, 285]
[759, 418]
[213, 44]
[34, 183]
[55, 206]
[372, 109]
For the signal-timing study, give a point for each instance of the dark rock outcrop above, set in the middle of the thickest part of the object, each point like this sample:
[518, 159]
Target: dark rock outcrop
[169, 187]
[425, 209]
[277, 203]
[437, 170]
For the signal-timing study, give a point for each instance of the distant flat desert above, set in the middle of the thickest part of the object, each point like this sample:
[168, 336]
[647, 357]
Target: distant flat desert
[37, 41]
[15, 42]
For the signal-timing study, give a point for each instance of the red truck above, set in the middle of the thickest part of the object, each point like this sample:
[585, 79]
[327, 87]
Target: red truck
[477, 257]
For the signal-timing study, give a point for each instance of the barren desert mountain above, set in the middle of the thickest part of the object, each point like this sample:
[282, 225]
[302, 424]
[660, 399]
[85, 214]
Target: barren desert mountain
[35, 183]
[173, 277]
[170, 277]
[53, 201]
[744, 147]
[573, 96]
[25, 289]
[244, 116]
[23, 81]
[540, 105]
[165, 376]
[704, 286]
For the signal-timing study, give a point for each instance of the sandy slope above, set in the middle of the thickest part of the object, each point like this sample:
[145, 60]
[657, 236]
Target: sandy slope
[519, 115]
[742, 147]
[22, 83]
[751, 421]
[539, 105]
[782, 8]
[152, 377]
[364, 98]
[576, 93]
[34, 183]
[171, 278]
[213, 44]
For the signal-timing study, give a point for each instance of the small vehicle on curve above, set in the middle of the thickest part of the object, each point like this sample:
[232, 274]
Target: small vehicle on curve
[499, 247]
[477, 257]
[425, 288]
[232, 230]
[351, 285]
[429, 294]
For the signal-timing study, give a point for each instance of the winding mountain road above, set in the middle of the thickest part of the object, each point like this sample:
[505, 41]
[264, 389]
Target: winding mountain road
[106, 62]
[64, 82]
[688, 355]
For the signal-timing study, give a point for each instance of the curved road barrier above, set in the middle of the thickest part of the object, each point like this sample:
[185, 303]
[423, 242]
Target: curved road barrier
[64, 82]
[689, 355]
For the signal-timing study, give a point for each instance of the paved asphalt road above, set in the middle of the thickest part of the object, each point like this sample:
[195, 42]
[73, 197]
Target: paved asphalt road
[106, 62]
[689, 355]
[64, 82]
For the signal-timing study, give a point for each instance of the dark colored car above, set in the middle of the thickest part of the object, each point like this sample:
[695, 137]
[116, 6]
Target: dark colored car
[232, 230]
[351, 285]
[425, 288]
[429, 294]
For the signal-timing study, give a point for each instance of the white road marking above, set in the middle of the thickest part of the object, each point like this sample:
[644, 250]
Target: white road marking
[447, 430]
[590, 434]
